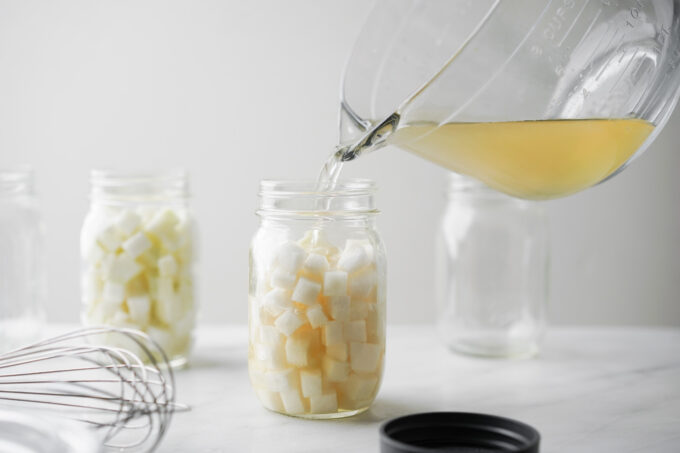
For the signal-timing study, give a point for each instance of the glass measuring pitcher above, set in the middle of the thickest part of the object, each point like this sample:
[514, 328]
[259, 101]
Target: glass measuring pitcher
[536, 98]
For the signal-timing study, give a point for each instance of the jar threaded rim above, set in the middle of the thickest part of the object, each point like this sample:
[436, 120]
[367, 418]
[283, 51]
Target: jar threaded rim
[17, 180]
[300, 197]
[139, 186]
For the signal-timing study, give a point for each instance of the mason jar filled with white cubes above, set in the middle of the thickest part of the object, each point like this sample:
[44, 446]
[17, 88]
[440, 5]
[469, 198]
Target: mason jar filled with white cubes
[137, 247]
[317, 299]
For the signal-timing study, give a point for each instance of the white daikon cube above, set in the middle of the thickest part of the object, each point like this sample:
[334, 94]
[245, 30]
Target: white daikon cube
[168, 306]
[146, 213]
[292, 402]
[124, 268]
[166, 288]
[137, 286]
[316, 316]
[282, 279]
[306, 291]
[296, 351]
[373, 321]
[358, 309]
[163, 224]
[270, 335]
[137, 244]
[337, 351]
[139, 307]
[264, 317]
[308, 239]
[94, 254]
[113, 293]
[339, 308]
[282, 380]
[168, 310]
[121, 319]
[334, 370]
[185, 292]
[333, 333]
[270, 400]
[290, 257]
[361, 284]
[167, 266]
[149, 260]
[277, 301]
[335, 283]
[324, 404]
[109, 238]
[364, 357]
[353, 259]
[311, 383]
[365, 243]
[360, 388]
[355, 331]
[316, 264]
[331, 254]
[107, 264]
[127, 222]
[272, 356]
[315, 241]
[185, 236]
[261, 354]
[289, 322]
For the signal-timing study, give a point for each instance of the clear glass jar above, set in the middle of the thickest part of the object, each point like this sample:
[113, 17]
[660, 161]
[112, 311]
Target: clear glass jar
[22, 260]
[317, 299]
[492, 272]
[137, 247]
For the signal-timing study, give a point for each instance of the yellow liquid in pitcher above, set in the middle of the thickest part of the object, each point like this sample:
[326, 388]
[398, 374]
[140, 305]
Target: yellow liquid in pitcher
[529, 159]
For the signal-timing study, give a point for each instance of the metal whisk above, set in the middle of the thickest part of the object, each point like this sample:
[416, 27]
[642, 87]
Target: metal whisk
[126, 392]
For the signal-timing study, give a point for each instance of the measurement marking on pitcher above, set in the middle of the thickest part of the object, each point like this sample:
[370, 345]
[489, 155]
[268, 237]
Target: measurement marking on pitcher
[604, 66]
[618, 48]
[502, 67]
[587, 32]
[573, 23]
[643, 96]
[557, 20]
[597, 46]
[383, 63]
[625, 70]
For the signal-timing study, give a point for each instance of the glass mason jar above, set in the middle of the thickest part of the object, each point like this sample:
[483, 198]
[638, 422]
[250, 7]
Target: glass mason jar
[22, 265]
[492, 272]
[137, 247]
[317, 299]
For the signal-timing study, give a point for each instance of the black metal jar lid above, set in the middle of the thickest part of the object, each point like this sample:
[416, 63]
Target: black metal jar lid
[457, 432]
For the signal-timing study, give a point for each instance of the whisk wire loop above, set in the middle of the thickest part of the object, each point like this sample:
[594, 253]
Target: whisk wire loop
[116, 380]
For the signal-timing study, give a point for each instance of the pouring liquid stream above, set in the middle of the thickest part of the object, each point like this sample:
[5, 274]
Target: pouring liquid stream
[538, 159]
[375, 138]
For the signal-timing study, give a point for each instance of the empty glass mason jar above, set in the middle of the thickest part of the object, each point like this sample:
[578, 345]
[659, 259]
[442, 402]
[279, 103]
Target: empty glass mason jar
[137, 247]
[22, 265]
[317, 299]
[492, 272]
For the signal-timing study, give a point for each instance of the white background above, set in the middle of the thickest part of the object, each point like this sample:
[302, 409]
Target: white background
[240, 90]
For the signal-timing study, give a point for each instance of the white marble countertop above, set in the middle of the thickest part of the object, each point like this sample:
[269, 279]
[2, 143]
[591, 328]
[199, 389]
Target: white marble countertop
[591, 390]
